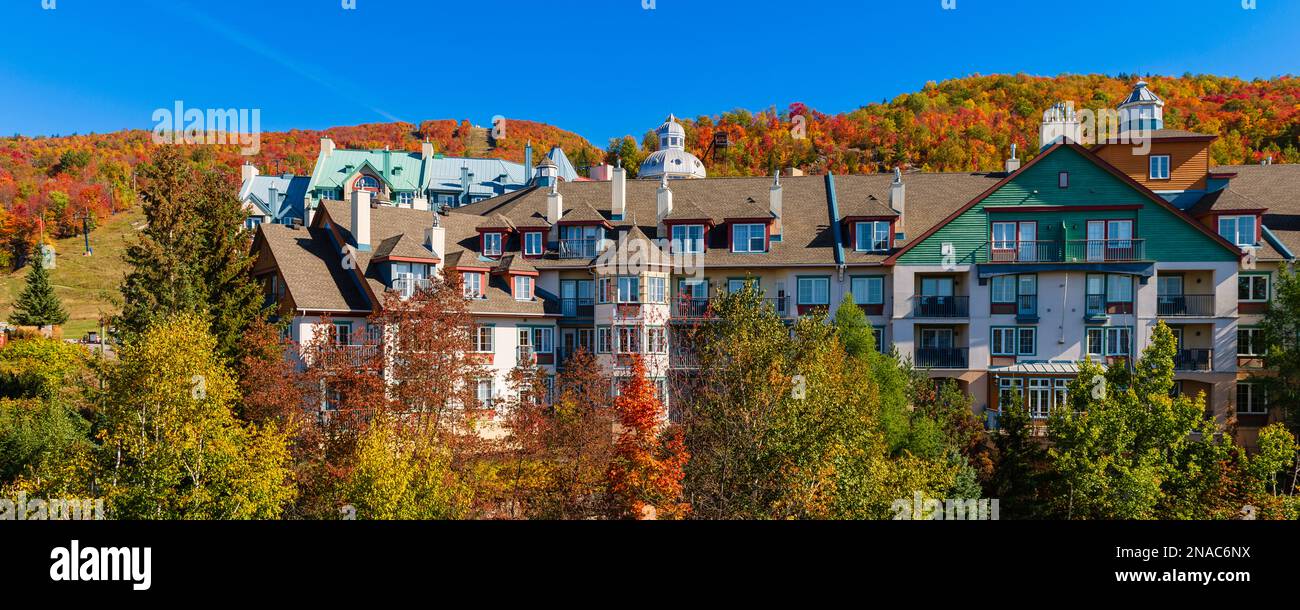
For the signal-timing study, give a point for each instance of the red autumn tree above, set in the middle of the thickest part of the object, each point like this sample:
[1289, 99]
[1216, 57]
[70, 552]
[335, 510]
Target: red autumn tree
[645, 477]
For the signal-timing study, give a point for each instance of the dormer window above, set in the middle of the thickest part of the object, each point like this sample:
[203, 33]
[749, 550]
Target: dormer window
[748, 238]
[1159, 167]
[533, 245]
[871, 236]
[472, 284]
[688, 239]
[491, 244]
[366, 183]
[1239, 230]
[523, 288]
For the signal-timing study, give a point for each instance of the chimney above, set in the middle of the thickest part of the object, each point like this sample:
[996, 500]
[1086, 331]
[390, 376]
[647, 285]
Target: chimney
[1013, 163]
[774, 205]
[618, 192]
[361, 219]
[466, 177]
[246, 172]
[435, 239]
[426, 150]
[528, 163]
[326, 147]
[554, 211]
[664, 199]
[897, 195]
[273, 203]
[1059, 121]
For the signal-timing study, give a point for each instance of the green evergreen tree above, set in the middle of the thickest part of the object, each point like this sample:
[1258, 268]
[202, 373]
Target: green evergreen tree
[193, 255]
[38, 305]
[853, 328]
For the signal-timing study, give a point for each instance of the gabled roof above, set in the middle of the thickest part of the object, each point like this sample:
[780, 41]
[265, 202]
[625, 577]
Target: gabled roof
[1090, 156]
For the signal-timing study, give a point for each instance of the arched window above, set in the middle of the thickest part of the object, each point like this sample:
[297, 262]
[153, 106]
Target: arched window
[366, 183]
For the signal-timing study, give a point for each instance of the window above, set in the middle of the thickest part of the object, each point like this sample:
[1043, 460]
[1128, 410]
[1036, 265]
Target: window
[406, 197]
[1014, 341]
[878, 333]
[872, 236]
[658, 289]
[447, 200]
[1060, 393]
[523, 288]
[688, 239]
[492, 244]
[1038, 397]
[692, 290]
[1119, 289]
[868, 290]
[252, 222]
[1250, 341]
[473, 284]
[1252, 288]
[1096, 295]
[1008, 389]
[1096, 341]
[736, 284]
[1159, 167]
[1003, 288]
[1063, 180]
[603, 289]
[629, 289]
[366, 183]
[543, 339]
[533, 243]
[814, 290]
[603, 340]
[484, 393]
[1252, 399]
[629, 339]
[1119, 340]
[1239, 230]
[748, 238]
[656, 339]
[1004, 235]
[483, 339]
[342, 333]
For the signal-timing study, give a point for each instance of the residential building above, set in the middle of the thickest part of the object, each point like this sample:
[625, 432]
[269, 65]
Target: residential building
[1002, 281]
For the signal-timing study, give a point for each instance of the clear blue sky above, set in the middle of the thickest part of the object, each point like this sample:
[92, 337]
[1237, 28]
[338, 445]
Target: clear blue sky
[601, 68]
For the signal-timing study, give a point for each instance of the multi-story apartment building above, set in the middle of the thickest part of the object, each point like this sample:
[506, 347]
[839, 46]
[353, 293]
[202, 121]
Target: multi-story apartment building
[1001, 281]
[422, 181]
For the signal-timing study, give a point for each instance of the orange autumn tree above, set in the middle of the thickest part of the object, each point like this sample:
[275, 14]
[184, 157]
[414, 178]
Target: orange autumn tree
[645, 478]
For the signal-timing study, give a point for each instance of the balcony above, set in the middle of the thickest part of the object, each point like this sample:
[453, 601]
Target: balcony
[941, 357]
[579, 248]
[1185, 305]
[525, 355]
[924, 306]
[1095, 306]
[408, 286]
[1072, 251]
[577, 308]
[1194, 360]
[690, 308]
[1027, 308]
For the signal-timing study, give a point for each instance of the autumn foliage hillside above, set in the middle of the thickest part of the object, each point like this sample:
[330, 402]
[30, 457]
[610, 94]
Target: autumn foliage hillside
[968, 124]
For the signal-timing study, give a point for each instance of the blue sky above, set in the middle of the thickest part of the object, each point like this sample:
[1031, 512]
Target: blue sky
[601, 68]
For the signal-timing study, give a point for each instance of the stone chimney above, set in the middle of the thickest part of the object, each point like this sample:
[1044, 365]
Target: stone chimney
[326, 146]
[664, 201]
[897, 201]
[1013, 163]
[361, 219]
[246, 172]
[774, 205]
[618, 192]
[1059, 121]
[554, 211]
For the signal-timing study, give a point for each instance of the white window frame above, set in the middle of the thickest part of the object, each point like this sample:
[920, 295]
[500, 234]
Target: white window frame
[1158, 170]
[543, 339]
[524, 292]
[1230, 228]
[632, 295]
[1250, 287]
[1258, 399]
[871, 236]
[1122, 332]
[604, 340]
[656, 340]
[472, 284]
[485, 339]
[746, 245]
[685, 241]
[533, 243]
[492, 244]
[657, 289]
[1255, 341]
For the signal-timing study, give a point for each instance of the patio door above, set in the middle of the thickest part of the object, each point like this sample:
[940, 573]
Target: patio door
[1028, 251]
[936, 338]
[1096, 240]
[569, 298]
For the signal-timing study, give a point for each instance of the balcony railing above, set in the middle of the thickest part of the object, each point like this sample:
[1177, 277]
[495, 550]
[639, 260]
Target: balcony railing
[407, 286]
[781, 305]
[1194, 360]
[941, 357]
[690, 307]
[579, 248]
[1073, 251]
[1104, 250]
[577, 308]
[1185, 305]
[1027, 305]
[925, 306]
[1095, 305]
[1024, 251]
